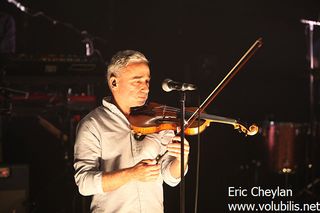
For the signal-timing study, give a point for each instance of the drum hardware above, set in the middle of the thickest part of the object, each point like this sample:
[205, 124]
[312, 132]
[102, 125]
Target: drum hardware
[286, 143]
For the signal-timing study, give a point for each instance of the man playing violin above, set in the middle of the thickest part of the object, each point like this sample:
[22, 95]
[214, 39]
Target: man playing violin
[119, 170]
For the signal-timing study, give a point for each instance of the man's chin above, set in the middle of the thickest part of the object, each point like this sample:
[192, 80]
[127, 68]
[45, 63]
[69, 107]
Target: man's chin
[141, 103]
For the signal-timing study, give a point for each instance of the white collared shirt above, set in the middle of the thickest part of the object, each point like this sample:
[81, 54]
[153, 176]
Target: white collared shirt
[105, 142]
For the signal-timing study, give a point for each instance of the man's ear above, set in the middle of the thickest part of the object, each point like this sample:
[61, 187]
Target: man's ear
[113, 82]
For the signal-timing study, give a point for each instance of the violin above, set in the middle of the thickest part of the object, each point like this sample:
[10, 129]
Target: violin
[154, 117]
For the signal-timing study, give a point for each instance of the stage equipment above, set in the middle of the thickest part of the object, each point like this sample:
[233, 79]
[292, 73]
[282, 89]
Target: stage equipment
[286, 143]
[14, 188]
[310, 152]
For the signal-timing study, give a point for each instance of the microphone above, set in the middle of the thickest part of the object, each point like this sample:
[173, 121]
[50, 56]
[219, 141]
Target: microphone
[18, 5]
[169, 85]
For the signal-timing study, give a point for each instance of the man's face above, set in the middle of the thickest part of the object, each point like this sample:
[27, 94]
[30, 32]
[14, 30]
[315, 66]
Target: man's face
[132, 86]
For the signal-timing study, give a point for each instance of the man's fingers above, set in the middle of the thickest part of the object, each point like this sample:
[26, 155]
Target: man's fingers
[149, 161]
[177, 146]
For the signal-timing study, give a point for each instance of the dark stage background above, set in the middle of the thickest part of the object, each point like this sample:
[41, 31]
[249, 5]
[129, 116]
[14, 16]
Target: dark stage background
[189, 41]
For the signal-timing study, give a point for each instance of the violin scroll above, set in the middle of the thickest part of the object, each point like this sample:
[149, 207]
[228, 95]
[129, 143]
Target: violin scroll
[252, 130]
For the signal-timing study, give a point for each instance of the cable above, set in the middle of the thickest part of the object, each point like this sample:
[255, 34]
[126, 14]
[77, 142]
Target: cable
[196, 198]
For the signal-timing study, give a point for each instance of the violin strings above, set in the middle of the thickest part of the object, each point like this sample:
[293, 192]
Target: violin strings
[167, 108]
[164, 108]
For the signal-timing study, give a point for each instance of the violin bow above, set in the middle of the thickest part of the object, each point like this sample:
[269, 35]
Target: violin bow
[243, 60]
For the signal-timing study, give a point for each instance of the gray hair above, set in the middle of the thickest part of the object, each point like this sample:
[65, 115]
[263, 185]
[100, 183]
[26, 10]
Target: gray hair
[122, 59]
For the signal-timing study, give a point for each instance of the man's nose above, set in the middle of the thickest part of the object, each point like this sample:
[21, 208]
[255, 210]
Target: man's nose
[145, 87]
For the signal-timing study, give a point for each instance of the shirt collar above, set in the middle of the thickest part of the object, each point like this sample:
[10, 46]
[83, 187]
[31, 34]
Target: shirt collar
[107, 102]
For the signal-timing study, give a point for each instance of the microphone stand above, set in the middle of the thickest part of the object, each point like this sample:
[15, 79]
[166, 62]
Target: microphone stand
[87, 37]
[310, 24]
[182, 136]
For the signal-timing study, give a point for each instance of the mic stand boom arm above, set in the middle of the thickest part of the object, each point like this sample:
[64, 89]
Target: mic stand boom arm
[87, 38]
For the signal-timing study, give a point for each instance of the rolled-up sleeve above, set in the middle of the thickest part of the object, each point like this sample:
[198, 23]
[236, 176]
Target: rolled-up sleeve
[167, 177]
[164, 138]
[87, 154]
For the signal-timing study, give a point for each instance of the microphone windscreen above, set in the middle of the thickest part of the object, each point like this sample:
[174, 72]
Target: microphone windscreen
[165, 85]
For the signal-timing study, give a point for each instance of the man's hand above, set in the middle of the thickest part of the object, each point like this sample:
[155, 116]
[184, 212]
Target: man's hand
[146, 170]
[174, 148]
